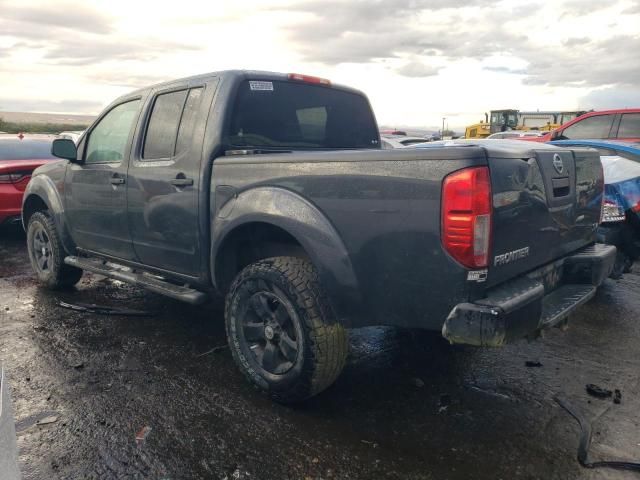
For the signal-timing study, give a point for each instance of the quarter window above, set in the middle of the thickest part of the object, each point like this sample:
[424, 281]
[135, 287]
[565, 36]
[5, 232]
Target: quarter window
[109, 138]
[188, 122]
[591, 127]
[629, 126]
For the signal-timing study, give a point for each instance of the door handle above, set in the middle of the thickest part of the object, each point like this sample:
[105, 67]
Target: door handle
[116, 180]
[182, 182]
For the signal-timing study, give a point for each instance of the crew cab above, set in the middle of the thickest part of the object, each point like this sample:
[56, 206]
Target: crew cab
[272, 190]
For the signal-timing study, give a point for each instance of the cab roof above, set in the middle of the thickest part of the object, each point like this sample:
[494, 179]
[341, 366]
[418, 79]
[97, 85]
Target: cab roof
[237, 75]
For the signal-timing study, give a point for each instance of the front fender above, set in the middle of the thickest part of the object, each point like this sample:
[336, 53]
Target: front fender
[308, 225]
[45, 189]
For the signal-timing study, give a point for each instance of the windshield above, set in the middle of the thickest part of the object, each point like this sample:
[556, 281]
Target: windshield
[16, 149]
[289, 115]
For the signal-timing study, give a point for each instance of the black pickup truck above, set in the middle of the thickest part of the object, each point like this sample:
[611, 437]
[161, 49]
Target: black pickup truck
[272, 189]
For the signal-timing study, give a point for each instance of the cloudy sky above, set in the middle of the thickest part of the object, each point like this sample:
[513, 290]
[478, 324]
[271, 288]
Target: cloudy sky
[418, 60]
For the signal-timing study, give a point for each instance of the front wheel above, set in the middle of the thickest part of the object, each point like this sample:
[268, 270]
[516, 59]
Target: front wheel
[281, 329]
[46, 254]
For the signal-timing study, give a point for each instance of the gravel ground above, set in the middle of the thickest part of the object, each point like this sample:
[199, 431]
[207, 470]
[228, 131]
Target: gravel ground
[408, 406]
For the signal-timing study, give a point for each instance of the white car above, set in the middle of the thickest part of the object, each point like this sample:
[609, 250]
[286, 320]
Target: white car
[75, 135]
[517, 134]
[400, 141]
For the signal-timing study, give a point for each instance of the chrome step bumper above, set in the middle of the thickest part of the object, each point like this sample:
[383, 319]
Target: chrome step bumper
[521, 307]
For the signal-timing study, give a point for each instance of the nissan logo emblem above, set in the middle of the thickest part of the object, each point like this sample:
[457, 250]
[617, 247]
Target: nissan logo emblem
[557, 163]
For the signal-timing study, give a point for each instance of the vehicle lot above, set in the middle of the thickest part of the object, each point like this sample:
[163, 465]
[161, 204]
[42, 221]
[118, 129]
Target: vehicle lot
[407, 405]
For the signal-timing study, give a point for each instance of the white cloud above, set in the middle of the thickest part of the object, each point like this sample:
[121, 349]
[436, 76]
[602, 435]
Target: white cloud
[418, 60]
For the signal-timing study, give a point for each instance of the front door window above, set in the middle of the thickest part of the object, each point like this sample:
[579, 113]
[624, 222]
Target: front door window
[108, 140]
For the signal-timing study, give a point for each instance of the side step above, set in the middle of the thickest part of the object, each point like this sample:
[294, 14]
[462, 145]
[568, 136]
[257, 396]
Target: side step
[144, 280]
[557, 305]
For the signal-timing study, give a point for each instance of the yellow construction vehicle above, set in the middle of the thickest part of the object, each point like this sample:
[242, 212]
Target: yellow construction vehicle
[510, 119]
[478, 130]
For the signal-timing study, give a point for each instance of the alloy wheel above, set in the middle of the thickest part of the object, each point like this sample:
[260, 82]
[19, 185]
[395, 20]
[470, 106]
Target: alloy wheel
[269, 331]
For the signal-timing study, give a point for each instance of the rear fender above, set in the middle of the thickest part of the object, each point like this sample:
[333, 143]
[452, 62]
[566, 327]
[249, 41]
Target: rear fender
[307, 224]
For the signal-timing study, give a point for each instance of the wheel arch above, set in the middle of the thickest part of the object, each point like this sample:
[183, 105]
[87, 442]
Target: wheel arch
[42, 195]
[267, 222]
[32, 204]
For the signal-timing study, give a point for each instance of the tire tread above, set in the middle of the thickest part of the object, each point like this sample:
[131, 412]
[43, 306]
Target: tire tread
[327, 338]
[62, 275]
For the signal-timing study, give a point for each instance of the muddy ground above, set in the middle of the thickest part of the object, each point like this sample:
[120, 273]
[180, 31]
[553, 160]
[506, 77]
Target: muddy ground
[408, 406]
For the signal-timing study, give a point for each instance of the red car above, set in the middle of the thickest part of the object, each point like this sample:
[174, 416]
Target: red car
[622, 124]
[19, 156]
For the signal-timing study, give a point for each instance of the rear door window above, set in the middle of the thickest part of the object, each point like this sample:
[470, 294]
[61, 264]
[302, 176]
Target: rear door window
[160, 141]
[629, 126]
[591, 127]
[290, 115]
[171, 124]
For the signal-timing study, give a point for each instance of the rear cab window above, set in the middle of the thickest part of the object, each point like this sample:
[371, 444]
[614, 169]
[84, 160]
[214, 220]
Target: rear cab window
[300, 116]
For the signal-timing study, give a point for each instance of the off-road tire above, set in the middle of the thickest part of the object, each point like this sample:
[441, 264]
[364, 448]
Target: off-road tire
[323, 345]
[57, 275]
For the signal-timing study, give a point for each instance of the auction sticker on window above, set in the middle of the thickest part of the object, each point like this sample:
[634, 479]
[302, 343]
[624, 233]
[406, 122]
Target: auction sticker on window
[260, 85]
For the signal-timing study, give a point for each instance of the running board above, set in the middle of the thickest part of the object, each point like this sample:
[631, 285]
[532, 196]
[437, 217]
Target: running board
[144, 280]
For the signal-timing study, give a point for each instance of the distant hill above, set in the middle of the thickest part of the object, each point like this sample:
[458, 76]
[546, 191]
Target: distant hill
[54, 118]
[15, 122]
[416, 131]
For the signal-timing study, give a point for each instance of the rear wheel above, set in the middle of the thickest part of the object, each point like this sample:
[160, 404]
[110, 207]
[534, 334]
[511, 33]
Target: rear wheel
[46, 253]
[281, 329]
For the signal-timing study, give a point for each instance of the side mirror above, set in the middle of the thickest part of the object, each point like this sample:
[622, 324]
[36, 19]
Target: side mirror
[64, 148]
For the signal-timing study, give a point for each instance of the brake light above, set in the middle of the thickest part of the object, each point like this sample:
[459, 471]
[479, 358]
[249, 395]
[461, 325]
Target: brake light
[612, 211]
[633, 199]
[308, 79]
[13, 177]
[466, 216]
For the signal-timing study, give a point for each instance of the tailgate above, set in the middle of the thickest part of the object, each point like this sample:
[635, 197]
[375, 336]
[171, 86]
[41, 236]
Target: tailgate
[544, 206]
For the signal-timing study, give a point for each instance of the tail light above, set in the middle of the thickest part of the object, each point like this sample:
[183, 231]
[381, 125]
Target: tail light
[466, 216]
[633, 199]
[612, 211]
[14, 177]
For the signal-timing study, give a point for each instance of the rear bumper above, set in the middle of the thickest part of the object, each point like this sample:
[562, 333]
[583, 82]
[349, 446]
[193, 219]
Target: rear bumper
[610, 233]
[623, 236]
[528, 304]
[10, 220]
